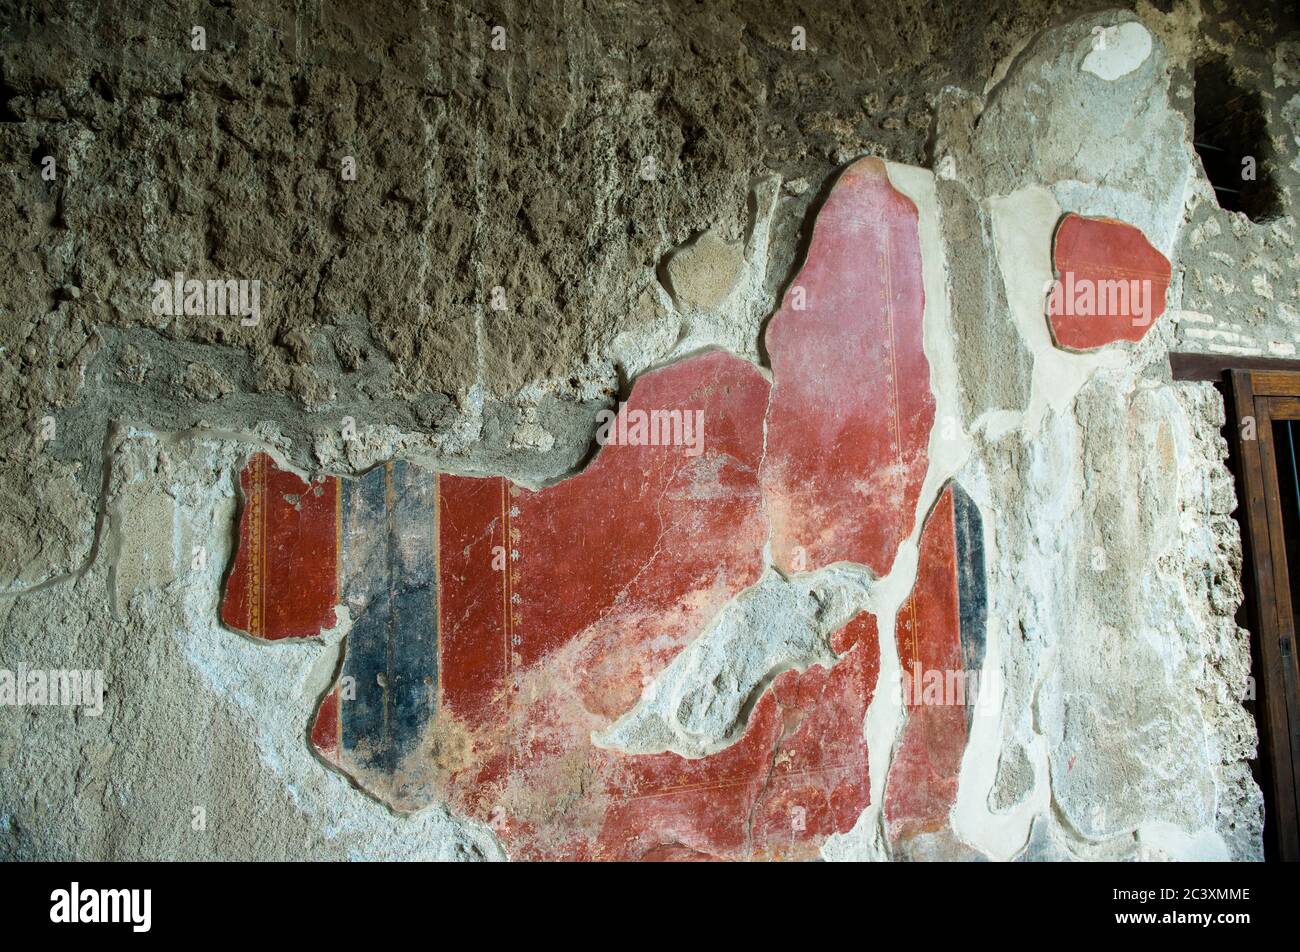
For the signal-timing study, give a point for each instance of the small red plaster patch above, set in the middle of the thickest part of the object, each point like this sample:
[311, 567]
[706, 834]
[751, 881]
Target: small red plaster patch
[1110, 283]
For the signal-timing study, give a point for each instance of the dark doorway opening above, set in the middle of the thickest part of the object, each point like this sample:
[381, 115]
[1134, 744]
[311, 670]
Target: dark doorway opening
[1264, 435]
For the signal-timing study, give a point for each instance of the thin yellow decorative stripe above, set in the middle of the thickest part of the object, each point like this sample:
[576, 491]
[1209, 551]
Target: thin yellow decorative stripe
[266, 536]
[254, 582]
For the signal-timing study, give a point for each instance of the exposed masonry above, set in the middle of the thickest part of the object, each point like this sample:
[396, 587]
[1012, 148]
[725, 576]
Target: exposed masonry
[1119, 730]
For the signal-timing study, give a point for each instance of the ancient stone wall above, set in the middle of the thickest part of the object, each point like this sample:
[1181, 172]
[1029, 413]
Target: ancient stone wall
[634, 430]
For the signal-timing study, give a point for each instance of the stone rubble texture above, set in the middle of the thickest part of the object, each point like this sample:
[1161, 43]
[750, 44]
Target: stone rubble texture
[1116, 728]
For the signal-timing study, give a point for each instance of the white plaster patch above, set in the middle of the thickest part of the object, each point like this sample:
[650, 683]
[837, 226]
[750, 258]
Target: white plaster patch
[1159, 842]
[1128, 154]
[700, 703]
[999, 835]
[1117, 50]
[1156, 214]
[1023, 224]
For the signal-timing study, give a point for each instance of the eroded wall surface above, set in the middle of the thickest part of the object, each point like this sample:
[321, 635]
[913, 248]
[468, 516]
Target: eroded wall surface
[398, 566]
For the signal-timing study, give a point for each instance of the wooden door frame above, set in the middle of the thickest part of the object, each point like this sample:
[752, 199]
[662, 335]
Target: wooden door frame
[1258, 397]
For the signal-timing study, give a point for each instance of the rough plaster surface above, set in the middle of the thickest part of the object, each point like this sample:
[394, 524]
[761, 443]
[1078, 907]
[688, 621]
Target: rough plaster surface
[1117, 728]
[699, 703]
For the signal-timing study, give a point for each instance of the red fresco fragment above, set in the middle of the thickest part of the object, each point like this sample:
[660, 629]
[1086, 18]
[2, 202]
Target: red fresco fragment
[609, 574]
[284, 581]
[472, 597]
[645, 526]
[798, 774]
[820, 782]
[849, 428]
[1110, 286]
[325, 731]
[612, 553]
[922, 784]
[556, 608]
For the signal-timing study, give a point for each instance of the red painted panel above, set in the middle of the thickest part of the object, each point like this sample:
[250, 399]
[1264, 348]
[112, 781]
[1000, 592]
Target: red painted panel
[849, 427]
[1110, 284]
[611, 573]
[473, 556]
[648, 542]
[922, 784]
[284, 581]
[667, 802]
